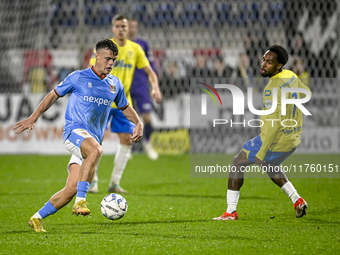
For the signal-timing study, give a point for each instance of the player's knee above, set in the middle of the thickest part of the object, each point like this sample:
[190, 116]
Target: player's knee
[126, 139]
[127, 142]
[239, 159]
[97, 151]
[236, 160]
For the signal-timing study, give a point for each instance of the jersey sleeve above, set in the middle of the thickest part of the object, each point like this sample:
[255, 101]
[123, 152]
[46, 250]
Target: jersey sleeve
[149, 56]
[302, 85]
[272, 123]
[92, 59]
[67, 85]
[142, 61]
[121, 100]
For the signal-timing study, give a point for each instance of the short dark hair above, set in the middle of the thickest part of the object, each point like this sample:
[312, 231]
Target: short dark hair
[119, 17]
[281, 53]
[108, 45]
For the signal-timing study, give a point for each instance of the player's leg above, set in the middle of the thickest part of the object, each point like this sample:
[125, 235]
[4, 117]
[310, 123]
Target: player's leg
[94, 184]
[64, 196]
[121, 158]
[58, 200]
[278, 176]
[244, 158]
[280, 179]
[147, 145]
[235, 182]
[86, 149]
[124, 128]
[142, 103]
[91, 151]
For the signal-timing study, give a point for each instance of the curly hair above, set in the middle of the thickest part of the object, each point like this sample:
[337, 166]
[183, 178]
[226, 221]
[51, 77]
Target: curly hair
[107, 44]
[282, 54]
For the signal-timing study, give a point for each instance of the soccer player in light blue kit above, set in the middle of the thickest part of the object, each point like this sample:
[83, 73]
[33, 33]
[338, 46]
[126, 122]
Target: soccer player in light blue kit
[92, 92]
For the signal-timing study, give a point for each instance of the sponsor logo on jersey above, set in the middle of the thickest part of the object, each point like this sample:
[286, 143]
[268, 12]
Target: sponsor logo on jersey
[97, 100]
[288, 83]
[121, 63]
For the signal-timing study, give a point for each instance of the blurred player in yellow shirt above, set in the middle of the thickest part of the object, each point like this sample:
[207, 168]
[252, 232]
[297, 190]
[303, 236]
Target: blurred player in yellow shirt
[276, 142]
[129, 57]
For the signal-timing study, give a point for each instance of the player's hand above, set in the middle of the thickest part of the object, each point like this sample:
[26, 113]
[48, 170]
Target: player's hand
[26, 124]
[157, 95]
[258, 161]
[137, 132]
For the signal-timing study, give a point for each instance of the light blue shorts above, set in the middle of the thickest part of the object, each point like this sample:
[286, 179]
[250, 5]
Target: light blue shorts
[73, 143]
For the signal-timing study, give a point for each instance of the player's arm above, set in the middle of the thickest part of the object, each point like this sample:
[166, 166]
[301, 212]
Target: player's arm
[302, 85]
[155, 93]
[271, 129]
[45, 104]
[131, 115]
[149, 56]
[271, 126]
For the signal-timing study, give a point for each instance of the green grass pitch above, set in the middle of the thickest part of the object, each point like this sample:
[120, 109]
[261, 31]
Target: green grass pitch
[169, 212]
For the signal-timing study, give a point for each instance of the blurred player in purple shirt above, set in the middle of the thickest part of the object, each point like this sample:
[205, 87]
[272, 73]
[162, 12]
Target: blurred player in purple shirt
[140, 90]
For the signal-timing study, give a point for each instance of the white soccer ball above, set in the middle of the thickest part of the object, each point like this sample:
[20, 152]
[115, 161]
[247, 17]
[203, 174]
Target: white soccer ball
[113, 206]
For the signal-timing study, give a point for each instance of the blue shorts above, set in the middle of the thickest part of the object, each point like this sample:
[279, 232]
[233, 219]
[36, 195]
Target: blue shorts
[119, 123]
[252, 147]
[141, 99]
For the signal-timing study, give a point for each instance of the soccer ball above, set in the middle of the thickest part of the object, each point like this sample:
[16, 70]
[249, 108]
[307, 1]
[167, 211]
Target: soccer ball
[113, 206]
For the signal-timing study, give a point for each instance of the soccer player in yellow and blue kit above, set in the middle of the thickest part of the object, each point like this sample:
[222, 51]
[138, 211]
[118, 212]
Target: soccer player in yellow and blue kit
[130, 56]
[276, 142]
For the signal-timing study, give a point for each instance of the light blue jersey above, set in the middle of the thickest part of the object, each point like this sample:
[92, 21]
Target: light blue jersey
[90, 101]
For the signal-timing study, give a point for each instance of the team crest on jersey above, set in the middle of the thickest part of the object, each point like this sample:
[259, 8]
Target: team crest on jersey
[129, 54]
[113, 89]
[268, 103]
